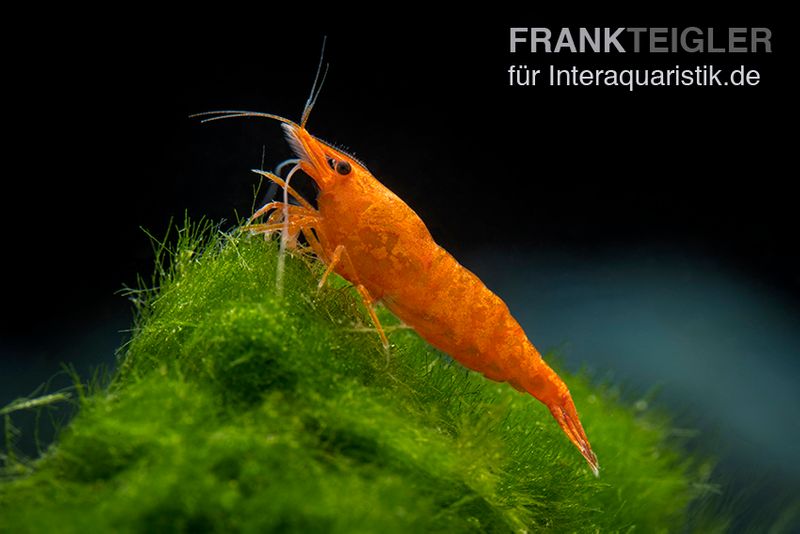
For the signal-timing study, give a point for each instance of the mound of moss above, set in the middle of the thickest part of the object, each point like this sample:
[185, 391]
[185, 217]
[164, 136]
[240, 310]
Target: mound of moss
[235, 409]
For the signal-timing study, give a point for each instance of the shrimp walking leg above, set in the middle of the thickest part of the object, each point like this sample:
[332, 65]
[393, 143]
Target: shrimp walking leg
[340, 255]
[313, 242]
[278, 180]
[302, 223]
[279, 207]
[369, 303]
[295, 224]
[301, 220]
[278, 211]
[335, 258]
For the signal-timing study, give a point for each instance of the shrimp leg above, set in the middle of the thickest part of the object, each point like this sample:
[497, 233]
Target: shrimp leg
[278, 209]
[340, 256]
[313, 242]
[299, 217]
[369, 302]
[276, 205]
[337, 256]
[294, 225]
[302, 222]
[278, 180]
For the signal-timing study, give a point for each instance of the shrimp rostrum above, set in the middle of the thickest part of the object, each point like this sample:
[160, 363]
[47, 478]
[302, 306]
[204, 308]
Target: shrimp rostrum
[364, 232]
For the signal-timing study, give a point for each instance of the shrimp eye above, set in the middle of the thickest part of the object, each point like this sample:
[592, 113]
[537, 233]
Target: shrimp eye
[342, 167]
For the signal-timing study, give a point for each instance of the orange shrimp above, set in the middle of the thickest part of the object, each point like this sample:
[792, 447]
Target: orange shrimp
[364, 232]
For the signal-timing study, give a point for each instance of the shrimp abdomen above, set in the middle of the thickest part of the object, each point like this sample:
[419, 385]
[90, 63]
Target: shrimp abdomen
[454, 311]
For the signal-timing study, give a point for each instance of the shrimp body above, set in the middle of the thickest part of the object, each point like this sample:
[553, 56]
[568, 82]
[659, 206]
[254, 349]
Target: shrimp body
[369, 236]
[395, 258]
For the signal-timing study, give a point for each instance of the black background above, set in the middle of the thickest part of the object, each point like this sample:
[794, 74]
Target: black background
[103, 146]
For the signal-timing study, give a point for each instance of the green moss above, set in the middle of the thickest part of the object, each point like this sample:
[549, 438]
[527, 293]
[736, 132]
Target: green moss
[233, 409]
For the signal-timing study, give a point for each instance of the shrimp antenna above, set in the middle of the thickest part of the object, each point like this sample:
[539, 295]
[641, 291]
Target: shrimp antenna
[315, 91]
[234, 113]
[316, 88]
